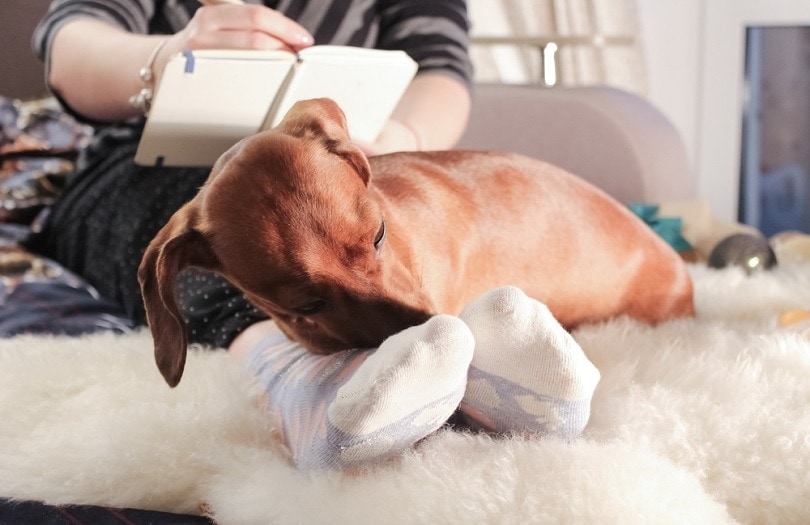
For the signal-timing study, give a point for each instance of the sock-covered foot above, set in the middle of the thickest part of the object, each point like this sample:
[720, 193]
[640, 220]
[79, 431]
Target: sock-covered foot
[527, 374]
[360, 407]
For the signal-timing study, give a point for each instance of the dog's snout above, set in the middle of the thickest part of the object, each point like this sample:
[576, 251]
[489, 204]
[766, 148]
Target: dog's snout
[365, 324]
[389, 318]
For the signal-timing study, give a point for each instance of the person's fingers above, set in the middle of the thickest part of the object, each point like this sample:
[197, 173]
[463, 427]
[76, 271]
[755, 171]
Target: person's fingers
[245, 27]
[233, 39]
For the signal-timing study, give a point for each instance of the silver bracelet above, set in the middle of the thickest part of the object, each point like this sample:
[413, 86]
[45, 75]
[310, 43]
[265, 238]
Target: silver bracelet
[142, 101]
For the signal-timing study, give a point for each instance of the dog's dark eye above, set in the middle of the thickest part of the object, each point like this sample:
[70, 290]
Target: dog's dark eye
[380, 237]
[311, 308]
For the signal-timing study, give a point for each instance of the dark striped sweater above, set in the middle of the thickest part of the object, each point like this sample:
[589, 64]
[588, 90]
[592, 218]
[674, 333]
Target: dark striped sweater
[432, 32]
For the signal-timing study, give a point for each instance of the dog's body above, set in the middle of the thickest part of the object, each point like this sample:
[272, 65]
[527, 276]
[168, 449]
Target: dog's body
[340, 258]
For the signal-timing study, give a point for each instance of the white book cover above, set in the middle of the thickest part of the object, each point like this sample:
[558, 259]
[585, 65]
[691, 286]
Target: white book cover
[208, 100]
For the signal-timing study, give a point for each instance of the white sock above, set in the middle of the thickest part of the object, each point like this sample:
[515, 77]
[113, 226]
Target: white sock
[357, 408]
[527, 373]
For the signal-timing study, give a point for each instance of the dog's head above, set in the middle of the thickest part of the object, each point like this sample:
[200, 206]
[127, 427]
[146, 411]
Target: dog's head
[286, 217]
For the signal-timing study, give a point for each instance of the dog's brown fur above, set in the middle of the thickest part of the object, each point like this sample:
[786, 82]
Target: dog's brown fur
[291, 216]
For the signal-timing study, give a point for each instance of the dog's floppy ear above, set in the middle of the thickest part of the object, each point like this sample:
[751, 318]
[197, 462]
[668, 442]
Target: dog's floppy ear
[176, 246]
[323, 119]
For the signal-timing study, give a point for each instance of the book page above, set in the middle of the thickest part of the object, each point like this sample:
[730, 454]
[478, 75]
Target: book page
[207, 101]
[367, 84]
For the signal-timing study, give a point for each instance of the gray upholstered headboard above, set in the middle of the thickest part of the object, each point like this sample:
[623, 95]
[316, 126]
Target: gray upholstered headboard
[614, 139]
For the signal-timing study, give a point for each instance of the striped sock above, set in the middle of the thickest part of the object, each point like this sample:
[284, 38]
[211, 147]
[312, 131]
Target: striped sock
[361, 407]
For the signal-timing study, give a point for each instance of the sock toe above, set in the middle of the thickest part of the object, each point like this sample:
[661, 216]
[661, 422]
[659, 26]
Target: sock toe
[528, 373]
[422, 364]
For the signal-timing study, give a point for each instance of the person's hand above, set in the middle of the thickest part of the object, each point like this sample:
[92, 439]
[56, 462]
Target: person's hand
[395, 136]
[229, 26]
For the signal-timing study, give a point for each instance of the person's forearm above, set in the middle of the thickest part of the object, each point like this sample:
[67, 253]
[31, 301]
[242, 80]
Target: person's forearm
[94, 66]
[96, 76]
[435, 108]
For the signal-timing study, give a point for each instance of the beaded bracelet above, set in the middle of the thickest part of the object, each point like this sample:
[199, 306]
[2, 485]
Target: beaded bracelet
[143, 100]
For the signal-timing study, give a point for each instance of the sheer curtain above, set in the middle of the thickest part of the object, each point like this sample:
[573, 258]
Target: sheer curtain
[558, 42]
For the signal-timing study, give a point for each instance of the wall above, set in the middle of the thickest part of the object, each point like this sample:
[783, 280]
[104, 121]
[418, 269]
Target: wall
[21, 73]
[671, 39]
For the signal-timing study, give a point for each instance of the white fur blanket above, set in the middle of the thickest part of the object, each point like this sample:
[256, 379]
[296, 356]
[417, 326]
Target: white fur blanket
[702, 420]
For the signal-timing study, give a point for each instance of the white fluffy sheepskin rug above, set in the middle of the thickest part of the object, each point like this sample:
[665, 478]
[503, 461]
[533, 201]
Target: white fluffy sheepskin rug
[703, 420]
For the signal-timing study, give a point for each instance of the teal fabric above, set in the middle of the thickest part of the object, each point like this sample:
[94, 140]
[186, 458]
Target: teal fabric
[668, 228]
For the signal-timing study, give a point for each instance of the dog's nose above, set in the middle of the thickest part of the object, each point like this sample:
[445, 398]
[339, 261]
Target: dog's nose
[390, 319]
[365, 325]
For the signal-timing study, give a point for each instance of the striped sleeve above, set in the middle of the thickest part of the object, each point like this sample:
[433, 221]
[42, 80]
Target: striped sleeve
[132, 15]
[435, 33]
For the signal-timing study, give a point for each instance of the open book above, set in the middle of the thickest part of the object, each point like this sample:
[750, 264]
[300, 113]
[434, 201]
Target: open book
[208, 100]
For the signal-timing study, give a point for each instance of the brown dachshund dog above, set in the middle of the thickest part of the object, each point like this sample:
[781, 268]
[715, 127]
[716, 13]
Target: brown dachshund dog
[343, 251]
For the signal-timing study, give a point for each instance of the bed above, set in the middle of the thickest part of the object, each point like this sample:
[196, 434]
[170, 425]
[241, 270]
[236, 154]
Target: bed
[698, 420]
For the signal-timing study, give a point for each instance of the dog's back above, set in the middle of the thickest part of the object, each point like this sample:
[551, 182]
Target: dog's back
[479, 220]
